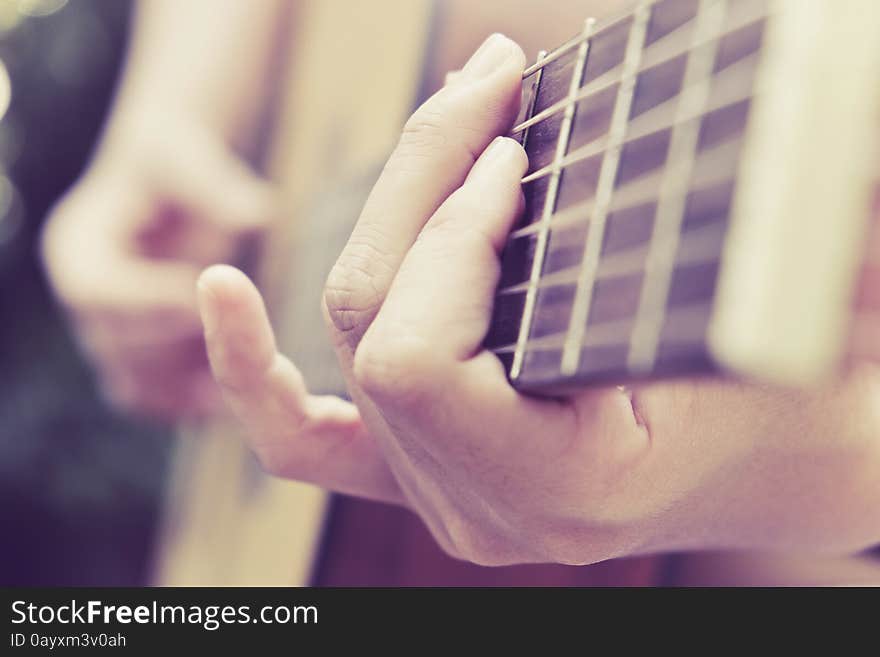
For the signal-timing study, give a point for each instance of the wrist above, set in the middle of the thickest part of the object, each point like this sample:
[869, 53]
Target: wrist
[137, 132]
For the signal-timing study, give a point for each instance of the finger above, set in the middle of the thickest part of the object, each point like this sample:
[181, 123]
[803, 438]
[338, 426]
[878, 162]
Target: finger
[223, 190]
[78, 261]
[150, 366]
[167, 395]
[296, 435]
[438, 308]
[443, 292]
[437, 149]
[216, 209]
[422, 359]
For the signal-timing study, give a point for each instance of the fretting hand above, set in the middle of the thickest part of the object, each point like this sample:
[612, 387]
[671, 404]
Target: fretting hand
[499, 477]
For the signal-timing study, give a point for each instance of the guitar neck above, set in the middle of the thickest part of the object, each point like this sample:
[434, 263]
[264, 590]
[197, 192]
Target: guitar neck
[643, 135]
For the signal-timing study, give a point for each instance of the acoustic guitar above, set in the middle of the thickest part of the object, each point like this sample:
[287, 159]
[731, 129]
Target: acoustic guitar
[699, 185]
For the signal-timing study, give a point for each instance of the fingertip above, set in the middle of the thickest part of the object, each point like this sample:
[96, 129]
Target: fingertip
[228, 289]
[222, 281]
[504, 158]
[496, 52]
[516, 154]
[518, 56]
[237, 329]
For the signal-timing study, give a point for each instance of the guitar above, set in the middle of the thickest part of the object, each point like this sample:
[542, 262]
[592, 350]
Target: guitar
[226, 522]
[701, 176]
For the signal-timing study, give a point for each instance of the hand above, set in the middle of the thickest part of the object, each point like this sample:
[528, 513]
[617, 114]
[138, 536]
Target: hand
[499, 477]
[124, 247]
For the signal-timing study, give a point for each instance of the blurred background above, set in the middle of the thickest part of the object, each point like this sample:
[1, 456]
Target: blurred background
[79, 485]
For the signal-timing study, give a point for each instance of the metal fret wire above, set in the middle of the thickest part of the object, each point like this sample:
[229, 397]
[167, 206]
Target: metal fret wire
[605, 188]
[533, 99]
[652, 57]
[598, 28]
[673, 193]
[734, 83]
[550, 201]
[698, 246]
[689, 322]
[714, 168]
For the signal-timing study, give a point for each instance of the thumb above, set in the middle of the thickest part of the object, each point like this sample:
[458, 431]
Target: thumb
[295, 434]
[222, 203]
[444, 289]
[221, 189]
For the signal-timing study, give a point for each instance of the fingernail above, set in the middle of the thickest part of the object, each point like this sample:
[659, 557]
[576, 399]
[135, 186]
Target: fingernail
[495, 50]
[500, 149]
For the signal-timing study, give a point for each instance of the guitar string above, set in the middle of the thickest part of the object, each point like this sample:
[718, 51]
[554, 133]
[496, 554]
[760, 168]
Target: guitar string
[687, 321]
[713, 167]
[551, 196]
[735, 83]
[612, 77]
[653, 60]
[604, 192]
[672, 202]
[599, 28]
[699, 246]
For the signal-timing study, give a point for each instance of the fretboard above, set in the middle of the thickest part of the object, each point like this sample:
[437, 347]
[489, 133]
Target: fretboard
[633, 130]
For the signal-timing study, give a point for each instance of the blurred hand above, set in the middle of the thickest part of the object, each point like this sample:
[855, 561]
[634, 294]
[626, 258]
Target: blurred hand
[124, 247]
[499, 477]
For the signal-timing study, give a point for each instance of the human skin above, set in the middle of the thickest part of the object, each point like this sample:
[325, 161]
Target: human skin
[124, 247]
[500, 477]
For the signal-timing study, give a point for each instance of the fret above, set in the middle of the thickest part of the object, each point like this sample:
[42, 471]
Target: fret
[686, 325]
[734, 83]
[698, 246]
[745, 17]
[607, 176]
[677, 185]
[575, 42]
[550, 196]
[607, 346]
[715, 166]
[533, 97]
[587, 222]
[683, 153]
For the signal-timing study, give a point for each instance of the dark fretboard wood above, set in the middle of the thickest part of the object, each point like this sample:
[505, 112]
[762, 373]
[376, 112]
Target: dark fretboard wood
[633, 133]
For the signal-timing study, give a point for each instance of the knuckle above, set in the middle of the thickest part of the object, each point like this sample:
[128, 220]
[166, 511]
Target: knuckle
[425, 130]
[459, 223]
[432, 135]
[390, 367]
[351, 295]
